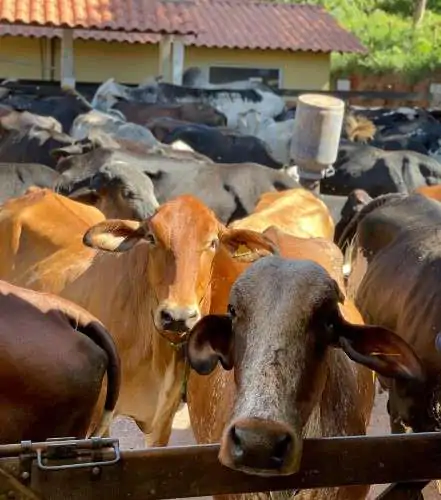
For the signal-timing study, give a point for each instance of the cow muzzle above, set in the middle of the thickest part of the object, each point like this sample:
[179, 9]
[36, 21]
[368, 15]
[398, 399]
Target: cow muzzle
[176, 319]
[261, 447]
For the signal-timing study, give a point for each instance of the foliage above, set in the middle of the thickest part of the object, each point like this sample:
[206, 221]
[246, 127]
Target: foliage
[385, 27]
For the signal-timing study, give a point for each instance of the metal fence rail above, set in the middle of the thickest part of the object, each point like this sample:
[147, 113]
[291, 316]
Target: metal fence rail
[45, 88]
[189, 471]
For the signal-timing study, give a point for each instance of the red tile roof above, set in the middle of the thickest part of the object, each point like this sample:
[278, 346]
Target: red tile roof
[259, 25]
[243, 24]
[155, 16]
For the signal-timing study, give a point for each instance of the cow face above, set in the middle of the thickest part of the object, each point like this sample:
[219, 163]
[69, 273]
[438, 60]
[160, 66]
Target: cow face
[179, 244]
[282, 324]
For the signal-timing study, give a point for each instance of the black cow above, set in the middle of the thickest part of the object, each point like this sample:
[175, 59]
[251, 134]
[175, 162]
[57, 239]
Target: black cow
[63, 108]
[223, 147]
[405, 129]
[380, 172]
[29, 138]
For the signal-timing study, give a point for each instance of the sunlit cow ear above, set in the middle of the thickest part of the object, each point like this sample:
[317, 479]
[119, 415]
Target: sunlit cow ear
[114, 235]
[210, 342]
[247, 246]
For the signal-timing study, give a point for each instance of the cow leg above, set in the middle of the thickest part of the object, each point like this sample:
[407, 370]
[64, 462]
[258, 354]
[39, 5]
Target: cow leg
[161, 432]
[158, 430]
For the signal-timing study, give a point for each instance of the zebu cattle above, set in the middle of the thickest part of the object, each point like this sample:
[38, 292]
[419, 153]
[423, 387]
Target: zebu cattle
[226, 189]
[293, 375]
[16, 178]
[109, 123]
[228, 101]
[148, 282]
[295, 211]
[29, 138]
[141, 113]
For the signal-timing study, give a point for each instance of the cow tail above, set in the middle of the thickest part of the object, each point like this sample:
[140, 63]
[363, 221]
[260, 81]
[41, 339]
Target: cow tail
[96, 332]
[350, 230]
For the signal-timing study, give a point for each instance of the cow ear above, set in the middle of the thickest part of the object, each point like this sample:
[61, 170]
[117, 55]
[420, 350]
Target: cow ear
[114, 235]
[210, 342]
[85, 195]
[380, 350]
[73, 149]
[247, 246]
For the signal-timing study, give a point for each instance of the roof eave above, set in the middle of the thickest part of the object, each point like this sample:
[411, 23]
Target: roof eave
[100, 27]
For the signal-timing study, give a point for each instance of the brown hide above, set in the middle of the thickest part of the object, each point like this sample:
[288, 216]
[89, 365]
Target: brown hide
[53, 358]
[296, 211]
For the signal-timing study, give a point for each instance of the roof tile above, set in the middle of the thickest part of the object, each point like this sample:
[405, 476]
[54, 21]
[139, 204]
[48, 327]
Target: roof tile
[156, 16]
[243, 24]
[262, 25]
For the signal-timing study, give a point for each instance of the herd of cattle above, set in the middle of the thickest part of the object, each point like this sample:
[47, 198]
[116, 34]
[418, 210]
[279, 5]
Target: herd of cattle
[156, 248]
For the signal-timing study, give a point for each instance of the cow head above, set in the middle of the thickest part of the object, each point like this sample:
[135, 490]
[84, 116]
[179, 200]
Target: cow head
[281, 336]
[199, 112]
[179, 242]
[119, 191]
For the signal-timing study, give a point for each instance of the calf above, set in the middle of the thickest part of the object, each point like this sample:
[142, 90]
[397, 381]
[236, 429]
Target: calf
[288, 334]
[53, 358]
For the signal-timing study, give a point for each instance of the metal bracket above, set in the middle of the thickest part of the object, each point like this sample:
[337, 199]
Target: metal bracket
[68, 448]
[25, 457]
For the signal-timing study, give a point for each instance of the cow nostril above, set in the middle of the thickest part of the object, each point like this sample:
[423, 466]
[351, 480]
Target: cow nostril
[237, 442]
[166, 317]
[281, 448]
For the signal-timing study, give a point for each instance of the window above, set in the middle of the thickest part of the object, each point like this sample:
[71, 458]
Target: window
[223, 74]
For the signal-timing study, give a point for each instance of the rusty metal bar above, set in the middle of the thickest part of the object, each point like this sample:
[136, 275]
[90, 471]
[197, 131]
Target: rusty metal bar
[179, 472]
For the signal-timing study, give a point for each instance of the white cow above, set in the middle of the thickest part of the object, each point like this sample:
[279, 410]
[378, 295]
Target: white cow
[276, 135]
[114, 124]
[229, 101]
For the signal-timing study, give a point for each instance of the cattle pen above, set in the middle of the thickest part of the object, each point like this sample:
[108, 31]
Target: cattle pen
[96, 468]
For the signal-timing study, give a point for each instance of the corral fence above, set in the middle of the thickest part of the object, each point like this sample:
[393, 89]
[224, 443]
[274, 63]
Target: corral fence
[68, 469]
[362, 97]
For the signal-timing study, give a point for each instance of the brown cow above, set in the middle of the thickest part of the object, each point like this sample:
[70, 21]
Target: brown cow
[289, 334]
[295, 211]
[149, 285]
[193, 112]
[53, 358]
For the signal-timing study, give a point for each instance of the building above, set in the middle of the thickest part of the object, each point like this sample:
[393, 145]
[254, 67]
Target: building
[287, 46]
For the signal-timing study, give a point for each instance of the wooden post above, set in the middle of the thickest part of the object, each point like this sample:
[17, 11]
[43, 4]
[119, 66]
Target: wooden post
[67, 60]
[165, 50]
[178, 57]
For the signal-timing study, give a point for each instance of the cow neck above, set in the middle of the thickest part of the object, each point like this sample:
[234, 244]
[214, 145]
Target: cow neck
[338, 411]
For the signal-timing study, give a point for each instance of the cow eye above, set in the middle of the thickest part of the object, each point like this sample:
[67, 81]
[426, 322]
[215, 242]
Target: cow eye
[127, 194]
[214, 244]
[231, 311]
[150, 238]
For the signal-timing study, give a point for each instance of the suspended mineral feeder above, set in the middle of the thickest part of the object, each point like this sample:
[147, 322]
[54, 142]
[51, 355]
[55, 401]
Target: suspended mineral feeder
[317, 129]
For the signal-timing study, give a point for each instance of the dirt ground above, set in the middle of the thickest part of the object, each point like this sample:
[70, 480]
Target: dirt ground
[131, 438]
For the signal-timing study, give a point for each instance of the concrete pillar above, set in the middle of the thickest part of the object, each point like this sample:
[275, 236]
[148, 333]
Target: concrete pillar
[178, 59]
[67, 59]
[165, 56]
